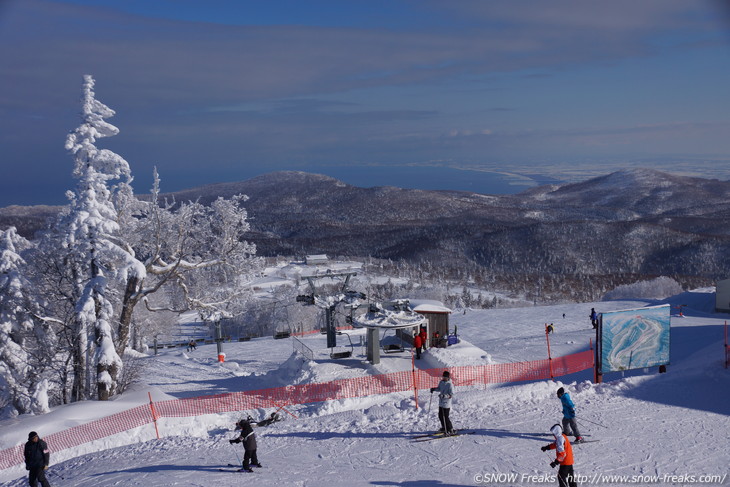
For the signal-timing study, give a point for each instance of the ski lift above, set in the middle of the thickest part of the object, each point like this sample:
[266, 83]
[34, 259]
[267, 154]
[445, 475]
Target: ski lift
[341, 353]
[392, 348]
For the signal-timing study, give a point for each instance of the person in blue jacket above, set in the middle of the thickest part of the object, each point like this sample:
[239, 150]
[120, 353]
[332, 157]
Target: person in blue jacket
[570, 426]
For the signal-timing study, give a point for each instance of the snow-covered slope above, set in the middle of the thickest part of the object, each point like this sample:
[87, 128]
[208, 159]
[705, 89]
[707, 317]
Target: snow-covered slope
[673, 424]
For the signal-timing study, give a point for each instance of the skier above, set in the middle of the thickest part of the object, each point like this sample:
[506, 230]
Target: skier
[563, 457]
[570, 425]
[446, 392]
[248, 437]
[37, 457]
[594, 318]
[549, 328]
[192, 345]
[418, 344]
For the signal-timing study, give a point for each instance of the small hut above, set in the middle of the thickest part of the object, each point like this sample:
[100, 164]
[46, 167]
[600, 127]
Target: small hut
[437, 318]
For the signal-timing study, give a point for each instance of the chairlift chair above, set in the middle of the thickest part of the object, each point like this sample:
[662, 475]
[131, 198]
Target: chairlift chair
[342, 353]
[392, 348]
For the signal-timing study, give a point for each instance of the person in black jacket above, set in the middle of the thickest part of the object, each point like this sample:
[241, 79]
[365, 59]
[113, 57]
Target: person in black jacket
[37, 458]
[248, 437]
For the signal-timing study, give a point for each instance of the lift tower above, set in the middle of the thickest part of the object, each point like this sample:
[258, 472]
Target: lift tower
[329, 303]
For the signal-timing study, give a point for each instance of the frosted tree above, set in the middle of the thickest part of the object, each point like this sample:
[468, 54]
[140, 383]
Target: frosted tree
[25, 343]
[108, 252]
[193, 251]
[94, 249]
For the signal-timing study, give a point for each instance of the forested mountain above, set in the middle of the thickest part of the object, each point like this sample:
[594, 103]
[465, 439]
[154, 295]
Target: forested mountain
[602, 232]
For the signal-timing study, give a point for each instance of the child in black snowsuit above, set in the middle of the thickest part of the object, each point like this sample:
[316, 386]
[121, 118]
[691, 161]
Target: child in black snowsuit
[248, 437]
[37, 458]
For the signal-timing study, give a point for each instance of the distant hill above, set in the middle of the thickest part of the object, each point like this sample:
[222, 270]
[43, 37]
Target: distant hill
[634, 222]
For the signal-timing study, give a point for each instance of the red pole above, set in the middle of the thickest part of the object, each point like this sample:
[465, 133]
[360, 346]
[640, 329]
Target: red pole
[154, 415]
[279, 408]
[415, 382]
[550, 358]
[726, 346]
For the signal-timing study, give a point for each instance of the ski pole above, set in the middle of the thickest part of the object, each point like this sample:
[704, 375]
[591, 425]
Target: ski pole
[234, 451]
[429, 403]
[56, 474]
[593, 422]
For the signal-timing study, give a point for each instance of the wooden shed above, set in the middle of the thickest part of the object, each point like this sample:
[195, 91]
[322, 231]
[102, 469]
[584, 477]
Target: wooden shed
[437, 318]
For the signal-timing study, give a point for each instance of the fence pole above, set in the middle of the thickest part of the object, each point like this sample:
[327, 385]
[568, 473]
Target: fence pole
[415, 383]
[550, 358]
[280, 408]
[726, 346]
[154, 415]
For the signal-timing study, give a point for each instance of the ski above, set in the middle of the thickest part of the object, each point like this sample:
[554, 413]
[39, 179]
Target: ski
[440, 436]
[428, 435]
[235, 471]
[584, 441]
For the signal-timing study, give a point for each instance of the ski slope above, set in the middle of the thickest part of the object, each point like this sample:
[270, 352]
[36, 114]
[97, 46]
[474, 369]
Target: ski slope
[659, 429]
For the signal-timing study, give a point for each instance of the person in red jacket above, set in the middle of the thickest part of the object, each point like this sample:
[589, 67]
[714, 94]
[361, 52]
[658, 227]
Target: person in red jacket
[563, 457]
[424, 337]
[418, 344]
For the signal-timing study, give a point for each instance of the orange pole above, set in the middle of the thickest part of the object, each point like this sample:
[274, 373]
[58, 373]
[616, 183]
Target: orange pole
[415, 383]
[154, 415]
[550, 358]
[285, 410]
[726, 346]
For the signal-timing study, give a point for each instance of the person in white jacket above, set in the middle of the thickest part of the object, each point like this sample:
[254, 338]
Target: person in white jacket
[446, 392]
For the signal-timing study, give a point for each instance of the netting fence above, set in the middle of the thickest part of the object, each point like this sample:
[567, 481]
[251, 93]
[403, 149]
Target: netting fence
[277, 397]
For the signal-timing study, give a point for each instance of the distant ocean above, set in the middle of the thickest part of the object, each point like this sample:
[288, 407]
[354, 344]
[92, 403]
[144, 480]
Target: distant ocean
[434, 178]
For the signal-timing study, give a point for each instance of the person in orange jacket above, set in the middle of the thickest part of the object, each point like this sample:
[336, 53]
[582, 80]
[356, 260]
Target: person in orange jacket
[563, 457]
[418, 344]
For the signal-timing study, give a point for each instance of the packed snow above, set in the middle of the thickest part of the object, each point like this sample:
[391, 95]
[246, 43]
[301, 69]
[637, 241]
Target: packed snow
[659, 429]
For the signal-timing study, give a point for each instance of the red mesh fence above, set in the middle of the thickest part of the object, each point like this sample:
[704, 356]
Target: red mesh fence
[467, 375]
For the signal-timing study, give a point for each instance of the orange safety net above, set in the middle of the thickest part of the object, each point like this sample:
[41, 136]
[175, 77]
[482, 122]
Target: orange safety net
[466, 375]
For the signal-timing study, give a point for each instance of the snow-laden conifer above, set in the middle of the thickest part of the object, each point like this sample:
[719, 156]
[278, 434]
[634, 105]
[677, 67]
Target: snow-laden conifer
[24, 342]
[92, 240]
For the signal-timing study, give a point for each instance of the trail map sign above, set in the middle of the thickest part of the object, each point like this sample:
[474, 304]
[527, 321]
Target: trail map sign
[633, 338]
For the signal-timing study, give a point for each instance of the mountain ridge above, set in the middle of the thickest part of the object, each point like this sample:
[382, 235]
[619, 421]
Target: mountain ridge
[635, 222]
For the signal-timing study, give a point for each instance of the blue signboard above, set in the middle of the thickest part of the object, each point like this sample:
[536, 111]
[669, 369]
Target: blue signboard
[634, 338]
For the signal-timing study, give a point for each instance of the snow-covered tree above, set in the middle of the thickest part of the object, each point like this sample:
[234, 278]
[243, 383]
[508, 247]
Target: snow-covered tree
[24, 340]
[198, 250]
[107, 252]
[92, 242]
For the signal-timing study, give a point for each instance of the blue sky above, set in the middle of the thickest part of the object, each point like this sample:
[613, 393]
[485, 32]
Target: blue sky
[220, 91]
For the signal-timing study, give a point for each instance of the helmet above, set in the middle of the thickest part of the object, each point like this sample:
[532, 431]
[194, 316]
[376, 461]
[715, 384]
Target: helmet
[561, 391]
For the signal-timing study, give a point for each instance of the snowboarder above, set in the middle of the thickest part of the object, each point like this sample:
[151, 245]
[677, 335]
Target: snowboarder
[594, 318]
[570, 426]
[563, 457]
[271, 419]
[37, 457]
[446, 393]
[418, 344]
[248, 437]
